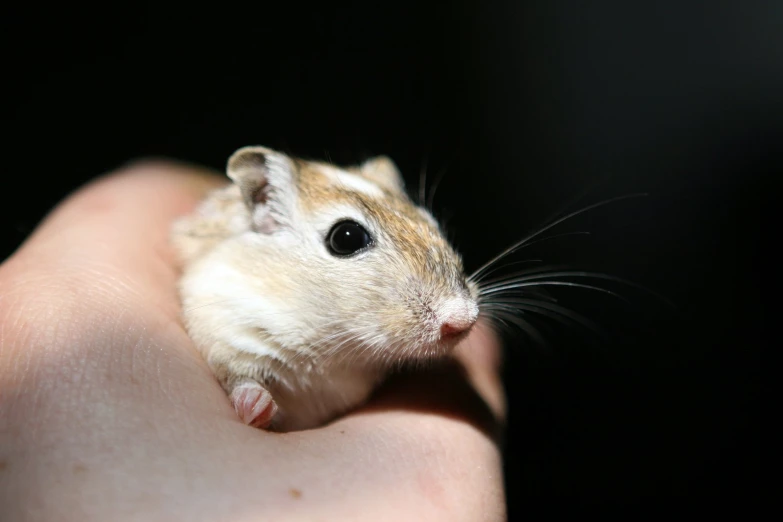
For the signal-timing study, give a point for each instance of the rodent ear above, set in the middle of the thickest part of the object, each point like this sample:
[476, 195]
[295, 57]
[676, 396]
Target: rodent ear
[382, 171]
[267, 182]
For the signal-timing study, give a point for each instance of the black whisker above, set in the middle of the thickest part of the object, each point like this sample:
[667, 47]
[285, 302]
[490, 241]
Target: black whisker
[552, 311]
[523, 324]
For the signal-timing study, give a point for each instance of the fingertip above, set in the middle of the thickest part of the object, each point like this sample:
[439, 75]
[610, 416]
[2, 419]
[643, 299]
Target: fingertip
[481, 354]
[196, 178]
[155, 189]
[117, 228]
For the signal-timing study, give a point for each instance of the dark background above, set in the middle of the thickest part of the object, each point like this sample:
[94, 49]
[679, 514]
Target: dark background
[531, 108]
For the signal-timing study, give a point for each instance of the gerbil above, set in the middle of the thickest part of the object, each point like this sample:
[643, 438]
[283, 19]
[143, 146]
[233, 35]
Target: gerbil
[304, 284]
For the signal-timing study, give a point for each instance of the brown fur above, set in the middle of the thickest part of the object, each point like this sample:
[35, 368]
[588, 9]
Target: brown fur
[266, 302]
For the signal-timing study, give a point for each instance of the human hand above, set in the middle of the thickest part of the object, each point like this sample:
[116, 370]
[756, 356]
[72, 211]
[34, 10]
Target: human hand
[108, 412]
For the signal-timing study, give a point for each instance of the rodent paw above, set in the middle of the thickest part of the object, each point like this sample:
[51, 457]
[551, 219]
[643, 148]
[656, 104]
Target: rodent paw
[254, 404]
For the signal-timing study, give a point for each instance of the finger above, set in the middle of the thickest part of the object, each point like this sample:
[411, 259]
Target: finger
[89, 313]
[481, 356]
[435, 434]
[115, 232]
[100, 268]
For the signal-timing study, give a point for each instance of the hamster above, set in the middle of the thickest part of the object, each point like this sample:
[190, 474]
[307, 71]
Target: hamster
[304, 284]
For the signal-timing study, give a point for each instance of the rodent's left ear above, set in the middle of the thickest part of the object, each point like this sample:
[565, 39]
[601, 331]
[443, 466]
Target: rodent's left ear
[267, 181]
[382, 171]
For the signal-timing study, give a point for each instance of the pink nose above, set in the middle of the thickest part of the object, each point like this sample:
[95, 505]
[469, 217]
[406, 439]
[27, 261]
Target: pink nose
[454, 327]
[456, 316]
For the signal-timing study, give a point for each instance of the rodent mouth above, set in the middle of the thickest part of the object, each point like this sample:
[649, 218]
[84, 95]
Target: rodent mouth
[451, 338]
[449, 341]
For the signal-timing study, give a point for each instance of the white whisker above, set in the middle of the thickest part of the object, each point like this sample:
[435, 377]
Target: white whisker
[523, 242]
[513, 286]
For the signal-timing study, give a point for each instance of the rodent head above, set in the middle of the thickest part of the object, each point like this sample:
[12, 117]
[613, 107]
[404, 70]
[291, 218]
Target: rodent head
[348, 268]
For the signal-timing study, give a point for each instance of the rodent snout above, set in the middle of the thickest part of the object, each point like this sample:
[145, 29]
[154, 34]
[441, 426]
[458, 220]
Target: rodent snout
[456, 317]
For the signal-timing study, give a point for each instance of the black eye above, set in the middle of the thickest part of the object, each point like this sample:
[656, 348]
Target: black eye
[346, 238]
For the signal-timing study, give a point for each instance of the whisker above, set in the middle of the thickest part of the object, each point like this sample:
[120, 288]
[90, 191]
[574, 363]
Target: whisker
[353, 335]
[337, 350]
[423, 183]
[501, 267]
[504, 314]
[547, 309]
[524, 325]
[505, 288]
[595, 275]
[482, 297]
[531, 243]
[522, 242]
[347, 335]
[516, 276]
[311, 351]
[372, 345]
[494, 320]
[364, 345]
[438, 179]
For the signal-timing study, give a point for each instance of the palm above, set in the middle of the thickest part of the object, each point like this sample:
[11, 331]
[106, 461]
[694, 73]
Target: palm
[108, 411]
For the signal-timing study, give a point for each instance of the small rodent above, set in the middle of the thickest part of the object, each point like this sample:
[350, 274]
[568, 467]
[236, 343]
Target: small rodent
[304, 284]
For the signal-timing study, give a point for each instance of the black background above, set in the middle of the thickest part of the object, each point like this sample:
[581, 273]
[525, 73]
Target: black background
[530, 108]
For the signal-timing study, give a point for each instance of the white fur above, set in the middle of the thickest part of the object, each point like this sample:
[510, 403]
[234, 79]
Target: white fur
[272, 304]
[352, 181]
[458, 311]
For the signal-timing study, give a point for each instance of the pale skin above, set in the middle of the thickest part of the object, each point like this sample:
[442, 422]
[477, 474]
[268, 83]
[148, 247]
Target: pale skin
[108, 412]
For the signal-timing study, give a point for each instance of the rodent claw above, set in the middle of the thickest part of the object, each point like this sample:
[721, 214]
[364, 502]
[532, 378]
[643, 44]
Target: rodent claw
[254, 404]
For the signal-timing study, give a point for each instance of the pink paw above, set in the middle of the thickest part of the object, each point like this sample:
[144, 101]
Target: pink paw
[254, 404]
